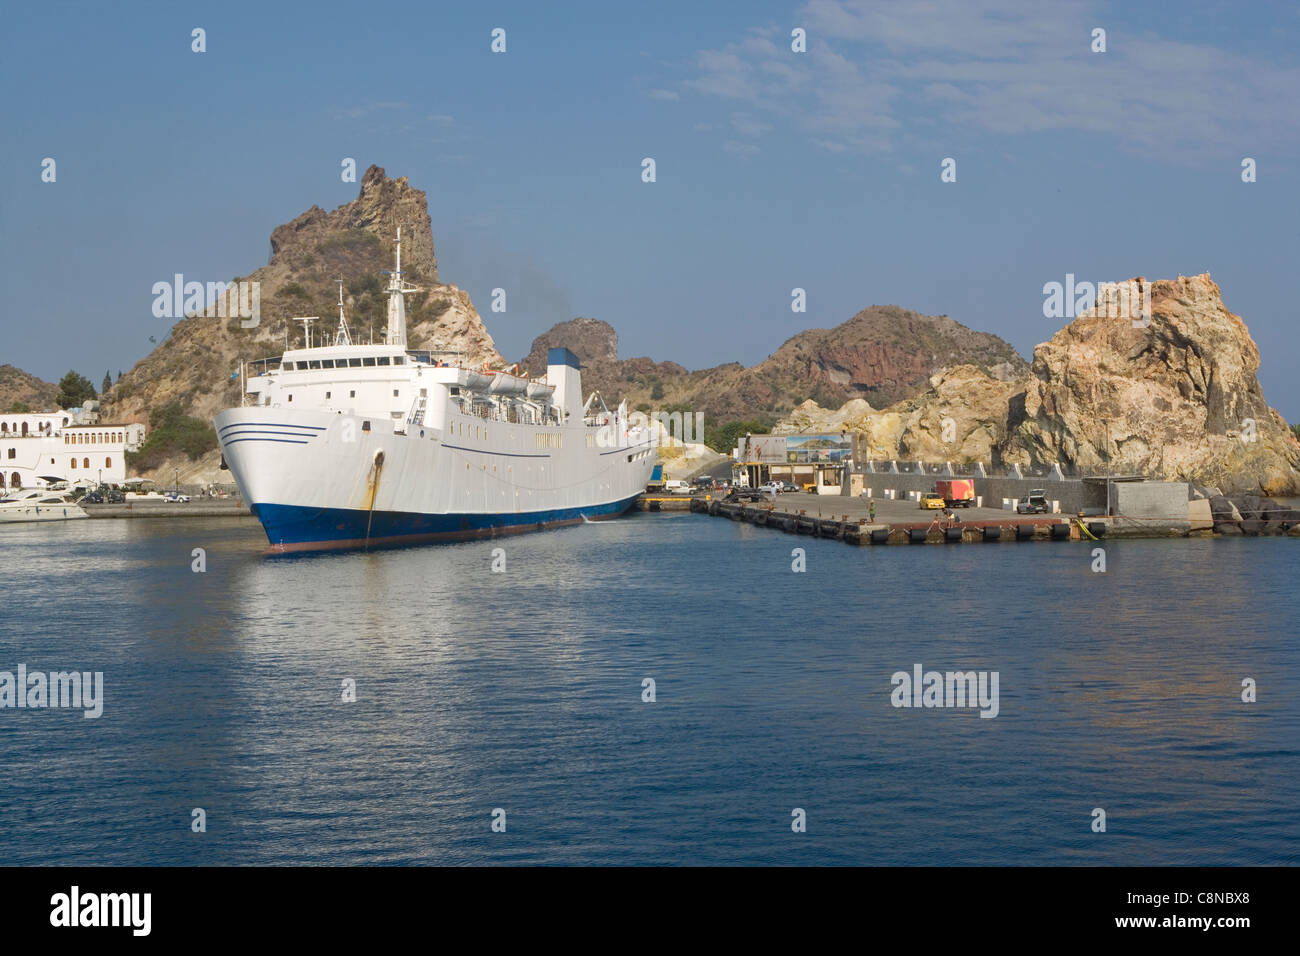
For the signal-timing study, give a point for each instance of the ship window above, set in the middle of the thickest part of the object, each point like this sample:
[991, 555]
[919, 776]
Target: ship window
[327, 394]
[383, 360]
[368, 362]
[399, 359]
[352, 393]
[302, 366]
[315, 363]
[291, 398]
[455, 390]
[354, 363]
[326, 363]
[394, 393]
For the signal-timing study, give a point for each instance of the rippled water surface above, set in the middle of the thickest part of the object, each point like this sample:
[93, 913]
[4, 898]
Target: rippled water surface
[522, 690]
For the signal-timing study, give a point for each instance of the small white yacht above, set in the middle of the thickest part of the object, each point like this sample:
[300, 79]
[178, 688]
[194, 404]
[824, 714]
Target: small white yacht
[39, 505]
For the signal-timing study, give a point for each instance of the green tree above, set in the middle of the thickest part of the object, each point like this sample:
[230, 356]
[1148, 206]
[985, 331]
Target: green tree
[108, 383]
[172, 432]
[657, 392]
[722, 439]
[19, 408]
[1295, 430]
[74, 389]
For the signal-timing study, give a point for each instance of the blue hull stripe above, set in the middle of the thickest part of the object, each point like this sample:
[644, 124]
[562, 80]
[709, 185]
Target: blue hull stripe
[266, 431]
[488, 451]
[283, 441]
[257, 424]
[297, 528]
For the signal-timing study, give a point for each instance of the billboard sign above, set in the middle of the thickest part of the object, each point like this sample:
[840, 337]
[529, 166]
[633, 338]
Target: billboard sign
[808, 449]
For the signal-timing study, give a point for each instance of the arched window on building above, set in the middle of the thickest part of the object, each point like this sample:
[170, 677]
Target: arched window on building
[108, 463]
[85, 462]
[74, 463]
[24, 429]
[15, 480]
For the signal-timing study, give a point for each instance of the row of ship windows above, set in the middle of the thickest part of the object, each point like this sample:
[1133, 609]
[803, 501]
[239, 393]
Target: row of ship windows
[549, 440]
[368, 362]
[352, 393]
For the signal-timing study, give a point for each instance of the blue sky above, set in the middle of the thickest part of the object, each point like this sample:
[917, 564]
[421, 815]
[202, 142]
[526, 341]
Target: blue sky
[775, 169]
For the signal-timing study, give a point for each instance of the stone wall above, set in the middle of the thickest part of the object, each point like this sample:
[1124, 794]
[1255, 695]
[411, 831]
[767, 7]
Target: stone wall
[1164, 500]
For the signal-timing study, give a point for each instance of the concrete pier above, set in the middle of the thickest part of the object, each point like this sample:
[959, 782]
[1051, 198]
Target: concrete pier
[201, 508]
[899, 521]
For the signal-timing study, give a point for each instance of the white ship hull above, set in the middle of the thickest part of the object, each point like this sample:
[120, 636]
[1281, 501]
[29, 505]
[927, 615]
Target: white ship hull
[317, 479]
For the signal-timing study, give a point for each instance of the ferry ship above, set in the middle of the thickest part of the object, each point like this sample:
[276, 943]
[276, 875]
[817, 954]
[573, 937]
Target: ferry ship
[345, 445]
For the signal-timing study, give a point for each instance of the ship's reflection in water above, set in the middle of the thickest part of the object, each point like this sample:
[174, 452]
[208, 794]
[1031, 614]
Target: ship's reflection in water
[227, 690]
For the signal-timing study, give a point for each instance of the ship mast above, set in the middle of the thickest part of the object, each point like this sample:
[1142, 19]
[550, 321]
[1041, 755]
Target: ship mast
[397, 288]
[341, 335]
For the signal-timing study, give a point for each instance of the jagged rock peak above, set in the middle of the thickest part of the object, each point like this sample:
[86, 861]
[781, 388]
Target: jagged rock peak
[381, 206]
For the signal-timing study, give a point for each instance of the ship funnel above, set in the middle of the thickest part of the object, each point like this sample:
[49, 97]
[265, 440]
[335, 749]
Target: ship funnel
[562, 371]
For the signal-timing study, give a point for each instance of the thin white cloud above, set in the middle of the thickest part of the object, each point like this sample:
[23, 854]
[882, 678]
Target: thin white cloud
[876, 70]
[666, 95]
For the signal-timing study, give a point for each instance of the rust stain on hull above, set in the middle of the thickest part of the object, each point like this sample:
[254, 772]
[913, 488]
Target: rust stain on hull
[372, 482]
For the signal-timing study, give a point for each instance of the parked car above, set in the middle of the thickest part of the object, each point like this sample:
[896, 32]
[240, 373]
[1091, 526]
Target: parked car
[932, 500]
[787, 487]
[176, 496]
[772, 487]
[676, 486]
[705, 483]
[1033, 503]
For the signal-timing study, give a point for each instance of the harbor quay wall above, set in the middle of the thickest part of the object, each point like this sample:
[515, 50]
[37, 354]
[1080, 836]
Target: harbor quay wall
[1074, 494]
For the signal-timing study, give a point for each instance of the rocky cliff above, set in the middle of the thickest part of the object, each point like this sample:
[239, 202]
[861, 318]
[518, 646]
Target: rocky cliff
[193, 366]
[20, 388]
[1174, 397]
[883, 354]
[1178, 397]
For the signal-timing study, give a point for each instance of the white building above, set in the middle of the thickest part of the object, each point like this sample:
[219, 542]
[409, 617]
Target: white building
[40, 448]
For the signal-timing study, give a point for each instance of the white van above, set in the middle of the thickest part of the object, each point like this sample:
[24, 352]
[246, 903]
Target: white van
[677, 487]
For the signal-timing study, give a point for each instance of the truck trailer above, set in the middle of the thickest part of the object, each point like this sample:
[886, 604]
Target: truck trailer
[956, 493]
